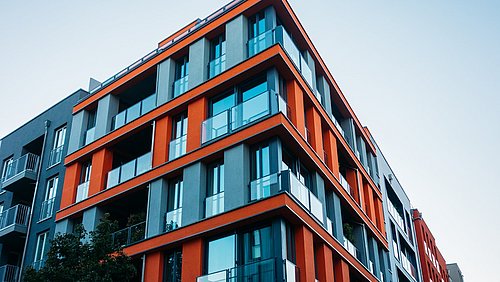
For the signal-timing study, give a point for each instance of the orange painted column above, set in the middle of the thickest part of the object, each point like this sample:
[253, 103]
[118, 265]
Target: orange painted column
[102, 163]
[314, 125]
[197, 113]
[192, 260]
[71, 179]
[304, 246]
[379, 210]
[359, 188]
[296, 104]
[352, 178]
[370, 205]
[162, 136]
[330, 147]
[153, 268]
[341, 270]
[324, 260]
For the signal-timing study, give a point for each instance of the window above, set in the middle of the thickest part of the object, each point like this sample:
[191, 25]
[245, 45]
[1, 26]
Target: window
[41, 249]
[175, 194]
[7, 167]
[173, 266]
[85, 173]
[257, 24]
[179, 136]
[261, 162]
[57, 147]
[257, 245]
[217, 56]
[91, 119]
[215, 178]
[181, 76]
[50, 195]
[180, 126]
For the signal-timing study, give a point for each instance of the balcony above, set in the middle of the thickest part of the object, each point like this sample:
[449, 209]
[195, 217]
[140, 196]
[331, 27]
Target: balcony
[264, 270]
[129, 170]
[351, 248]
[47, 209]
[216, 66]
[89, 136]
[345, 184]
[9, 273]
[408, 266]
[261, 188]
[14, 220]
[82, 191]
[56, 155]
[134, 112]
[241, 115]
[305, 196]
[129, 235]
[279, 35]
[173, 220]
[214, 204]
[395, 214]
[21, 172]
[329, 226]
[181, 85]
[177, 147]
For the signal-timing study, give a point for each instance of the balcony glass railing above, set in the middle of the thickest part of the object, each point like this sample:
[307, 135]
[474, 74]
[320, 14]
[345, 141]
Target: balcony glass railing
[56, 155]
[395, 214]
[408, 266]
[82, 191]
[279, 35]
[395, 249]
[351, 248]
[329, 226]
[261, 188]
[214, 204]
[240, 115]
[305, 196]
[177, 147]
[26, 163]
[345, 184]
[89, 136]
[264, 270]
[47, 209]
[129, 235]
[9, 273]
[129, 170]
[217, 66]
[16, 215]
[181, 85]
[173, 220]
[133, 112]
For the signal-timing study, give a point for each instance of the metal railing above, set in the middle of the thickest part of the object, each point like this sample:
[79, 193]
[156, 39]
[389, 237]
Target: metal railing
[163, 47]
[16, 215]
[28, 162]
[130, 235]
[181, 85]
[133, 112]
[214, 204]
[240, 115]
[264, 270]
[82, 191]
[173, 220]
[56, 155]
[9, 273]
[47, 208]
[177, 147]
[216, 66]
[129, 170]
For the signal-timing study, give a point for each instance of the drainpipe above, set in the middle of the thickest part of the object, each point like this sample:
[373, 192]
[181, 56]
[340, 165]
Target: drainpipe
[30, 218]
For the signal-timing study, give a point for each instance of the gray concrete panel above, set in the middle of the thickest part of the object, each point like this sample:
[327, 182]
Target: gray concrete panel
[157, 201]
[198, 62]
[195, 187]
[165, 81]
[236, 176]
[107, 108]
[236, 41]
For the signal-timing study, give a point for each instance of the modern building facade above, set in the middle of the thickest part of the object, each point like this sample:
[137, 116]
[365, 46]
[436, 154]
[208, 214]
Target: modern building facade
[32, 173]
[404, 262]
[230, 153]
[454, 272]
[432, 261]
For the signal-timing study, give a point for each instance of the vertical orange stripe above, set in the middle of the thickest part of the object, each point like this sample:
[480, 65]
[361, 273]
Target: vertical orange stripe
[153, 269]
[341, 269]
[197, 113]
[192, 259]
[162, 136]
[102, 163]
[324, 260]
[304, 246]
[296, 104]
[71, 178]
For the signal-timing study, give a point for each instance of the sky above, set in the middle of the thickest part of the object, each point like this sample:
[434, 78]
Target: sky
[424, 76]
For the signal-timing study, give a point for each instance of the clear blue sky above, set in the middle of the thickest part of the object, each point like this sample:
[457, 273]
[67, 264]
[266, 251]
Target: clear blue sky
[424, 76]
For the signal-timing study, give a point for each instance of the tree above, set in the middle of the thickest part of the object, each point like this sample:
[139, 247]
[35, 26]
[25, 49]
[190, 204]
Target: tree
[70, 258]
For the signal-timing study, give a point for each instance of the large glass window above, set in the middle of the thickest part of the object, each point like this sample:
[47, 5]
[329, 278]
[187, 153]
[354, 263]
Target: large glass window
[41, 247]
[51, 189]
[91, 118]
[257, 24]
[180, 126]
[175, 194]
[173, 266]
[182, 67]
[215, 178]
[50, 195]
[59, 137]
[221, 254]
[85, 173]
[7, 165]
[257, 245]
[260, 162]
[217, 55]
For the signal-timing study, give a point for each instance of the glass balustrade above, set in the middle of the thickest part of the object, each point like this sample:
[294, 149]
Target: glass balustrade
[214, 204]
[345, 184]
[89, 136]
[261, 188]
[395, 214]
[305, 196]
[56, 155]
[177, 147]
[82, 191]
[351, 248]
[181, 86]
[133, 112]
[263, 270]
[173, 220]
[129, 235]
[216, 66]
[47, 208]
[261, 42]
[129, 170]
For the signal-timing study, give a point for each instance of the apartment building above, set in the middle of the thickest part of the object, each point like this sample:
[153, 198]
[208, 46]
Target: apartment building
[32, 173]
[432, 261]
[454, 272]
[228, 153]
[404, 262]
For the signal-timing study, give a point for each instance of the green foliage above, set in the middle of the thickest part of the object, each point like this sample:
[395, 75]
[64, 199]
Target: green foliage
[70, 258]
[348, 232]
